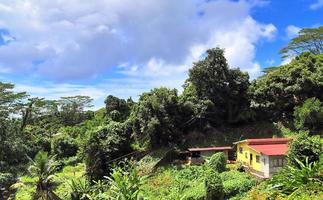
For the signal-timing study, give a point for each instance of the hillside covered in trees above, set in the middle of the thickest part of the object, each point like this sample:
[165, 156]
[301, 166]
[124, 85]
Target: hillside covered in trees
[61, 149]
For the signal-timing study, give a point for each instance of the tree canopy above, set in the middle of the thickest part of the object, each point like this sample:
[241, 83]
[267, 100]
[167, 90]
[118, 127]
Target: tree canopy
[278, 91]
[226, 88]
[308, 40]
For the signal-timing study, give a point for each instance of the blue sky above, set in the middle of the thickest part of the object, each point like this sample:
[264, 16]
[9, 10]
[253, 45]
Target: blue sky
[53, 48]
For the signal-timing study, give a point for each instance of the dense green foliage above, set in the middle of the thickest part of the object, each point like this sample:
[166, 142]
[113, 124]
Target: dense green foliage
[214, 186]
[105, 144]
[236, 183]
[156, 117]
[225, 88]
[125, 183]
[292, 177]
[281, 89]
[305, 147]
[309, 115]
[118, 109]
[218, 162]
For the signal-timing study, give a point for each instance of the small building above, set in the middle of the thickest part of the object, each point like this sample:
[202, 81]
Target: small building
[262, 157]
[198, 155]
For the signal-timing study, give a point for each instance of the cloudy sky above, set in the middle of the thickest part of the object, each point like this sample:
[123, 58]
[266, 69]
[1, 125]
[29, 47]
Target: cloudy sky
[53, 48]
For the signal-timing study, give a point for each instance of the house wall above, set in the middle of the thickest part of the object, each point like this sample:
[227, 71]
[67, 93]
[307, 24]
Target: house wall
[265, 165]
[245, 159]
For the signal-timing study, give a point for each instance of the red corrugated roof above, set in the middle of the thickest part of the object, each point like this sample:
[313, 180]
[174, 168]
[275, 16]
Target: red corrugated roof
[271, 149]
[210, 148]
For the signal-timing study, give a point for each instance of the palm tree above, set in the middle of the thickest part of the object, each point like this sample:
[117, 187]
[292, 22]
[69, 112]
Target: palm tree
[44, 167]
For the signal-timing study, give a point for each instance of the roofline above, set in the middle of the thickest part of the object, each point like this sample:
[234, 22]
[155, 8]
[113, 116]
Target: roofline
[246, 140]
[210, 148]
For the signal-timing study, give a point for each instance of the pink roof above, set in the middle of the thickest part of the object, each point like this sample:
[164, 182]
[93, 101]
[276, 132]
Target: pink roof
[210, 148]
[271, 149]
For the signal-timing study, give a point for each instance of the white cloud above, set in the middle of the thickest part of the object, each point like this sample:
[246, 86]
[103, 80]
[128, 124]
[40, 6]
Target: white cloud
[270, 62]
[292, 31]
[316, 5]
[150, 43]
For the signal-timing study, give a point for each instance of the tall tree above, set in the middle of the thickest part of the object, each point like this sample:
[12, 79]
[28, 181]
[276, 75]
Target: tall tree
[226, 88]
[308, 40]
[279, 90]
[156, 117]
[72, 109]
[118, 109]
[12, 147]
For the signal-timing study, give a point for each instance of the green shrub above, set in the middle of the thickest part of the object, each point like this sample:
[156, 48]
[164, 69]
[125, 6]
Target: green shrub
[236, 183]
[291, 178]
[80, 189]
[65, 147]
[309, 115]
[305, 147]
[125, 183]
[217, 162]
[214, 186]
[105, 145]
[197, 192]
[308, 192]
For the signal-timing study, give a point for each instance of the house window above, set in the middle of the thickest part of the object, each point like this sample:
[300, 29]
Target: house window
[280, 162]
[257, 159]
[264, 160]
[246, 155]
[240, 149]
[277, 162]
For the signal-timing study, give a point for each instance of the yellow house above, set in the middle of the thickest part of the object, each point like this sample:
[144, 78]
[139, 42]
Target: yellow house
[262, 157]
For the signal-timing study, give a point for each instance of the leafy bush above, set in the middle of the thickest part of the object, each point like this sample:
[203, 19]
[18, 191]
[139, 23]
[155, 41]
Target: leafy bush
[235, 183]
[80, 189]
[218, 162]
[291, 178]
[170, 183]
[214, 186]
[309, 115]
[310, 191]
[65, 147]
[197, 192]
[305, 147]
[104, 146]
[125, 183]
